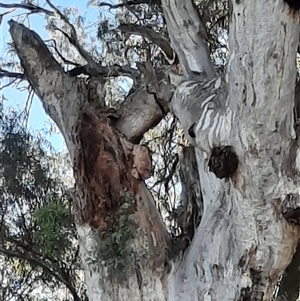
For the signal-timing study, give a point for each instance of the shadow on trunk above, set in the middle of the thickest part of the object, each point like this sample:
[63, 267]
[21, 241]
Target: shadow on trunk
[289, 285]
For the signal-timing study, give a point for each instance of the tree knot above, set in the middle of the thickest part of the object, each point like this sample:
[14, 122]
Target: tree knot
[223, 162]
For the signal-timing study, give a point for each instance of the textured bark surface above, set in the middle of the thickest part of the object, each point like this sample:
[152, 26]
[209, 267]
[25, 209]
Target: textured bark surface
[243, 143]
[242, 220]
[184, 28]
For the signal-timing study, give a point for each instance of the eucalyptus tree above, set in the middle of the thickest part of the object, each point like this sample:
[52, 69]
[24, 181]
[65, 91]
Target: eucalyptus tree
[38, 243]
[239, 152]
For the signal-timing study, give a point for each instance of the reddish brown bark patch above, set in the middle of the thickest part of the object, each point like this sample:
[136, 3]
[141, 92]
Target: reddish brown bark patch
[139, 158]
[104, 170]
[277, 206]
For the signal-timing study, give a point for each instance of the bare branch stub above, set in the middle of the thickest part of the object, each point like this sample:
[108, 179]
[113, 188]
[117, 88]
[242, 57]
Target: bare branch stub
[223, 162]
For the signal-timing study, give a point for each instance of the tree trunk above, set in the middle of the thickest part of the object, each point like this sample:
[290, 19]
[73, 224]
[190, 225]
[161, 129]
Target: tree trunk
[242, 128]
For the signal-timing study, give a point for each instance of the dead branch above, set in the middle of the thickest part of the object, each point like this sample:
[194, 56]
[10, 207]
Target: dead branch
[129, 3]
[28, 6]
[39, 262]
[66, 61]
[16, 75]
[73, 39]
[107, 71]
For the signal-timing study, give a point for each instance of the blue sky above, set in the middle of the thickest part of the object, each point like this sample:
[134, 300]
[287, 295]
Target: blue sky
[38, 120]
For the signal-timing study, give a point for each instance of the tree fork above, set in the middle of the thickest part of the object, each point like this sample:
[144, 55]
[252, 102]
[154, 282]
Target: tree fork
[243, 243]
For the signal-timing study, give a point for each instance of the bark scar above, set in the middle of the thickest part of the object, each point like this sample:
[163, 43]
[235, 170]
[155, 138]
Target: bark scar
[106, 166]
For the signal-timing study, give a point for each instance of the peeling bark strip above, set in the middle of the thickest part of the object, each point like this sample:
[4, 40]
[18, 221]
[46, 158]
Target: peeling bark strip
[101, 170]
[203, 114]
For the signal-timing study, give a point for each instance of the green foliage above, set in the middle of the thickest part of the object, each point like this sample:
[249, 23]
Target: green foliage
[38, 243]
[116, 247]
[54, 220]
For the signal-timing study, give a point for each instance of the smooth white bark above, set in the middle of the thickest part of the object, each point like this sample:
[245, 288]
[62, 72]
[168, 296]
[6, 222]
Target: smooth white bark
[184, 29]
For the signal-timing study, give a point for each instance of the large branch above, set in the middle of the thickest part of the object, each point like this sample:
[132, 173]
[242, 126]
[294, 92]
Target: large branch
[56, 90]
[242, 219]
[184, 25]
[152, 35]
[144, 108]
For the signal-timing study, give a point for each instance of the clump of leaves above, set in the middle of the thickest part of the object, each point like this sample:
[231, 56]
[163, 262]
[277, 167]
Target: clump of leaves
[54, 220]
[116, 248]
